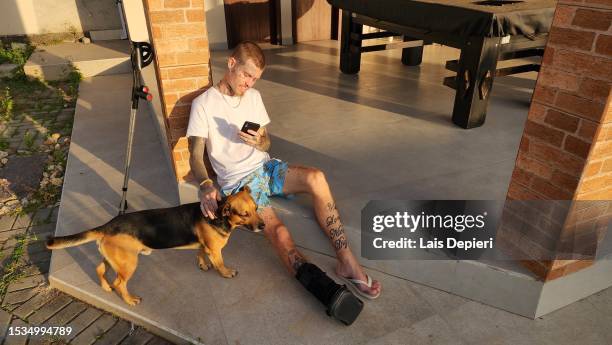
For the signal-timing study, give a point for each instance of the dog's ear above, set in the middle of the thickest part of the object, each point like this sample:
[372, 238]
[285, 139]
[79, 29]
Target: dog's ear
[247, 188]
[226, 211]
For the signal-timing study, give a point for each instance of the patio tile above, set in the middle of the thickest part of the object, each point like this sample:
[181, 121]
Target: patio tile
[84, 320]
[114, 335]
[5, 320]
[299, 318]
[50, 309]
[433, 330]
[139, 337]
[68, 313]
[6, 222]
[573, 324]
[95, 331]
[16, 339]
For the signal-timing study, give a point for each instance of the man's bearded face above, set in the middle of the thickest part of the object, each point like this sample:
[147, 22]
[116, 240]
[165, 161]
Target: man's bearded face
[242, 77]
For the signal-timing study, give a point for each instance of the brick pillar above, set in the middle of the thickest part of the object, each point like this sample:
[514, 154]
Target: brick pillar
[180, 39]
[566, 148]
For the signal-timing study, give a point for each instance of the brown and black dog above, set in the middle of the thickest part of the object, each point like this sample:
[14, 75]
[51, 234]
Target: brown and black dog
[182, 227]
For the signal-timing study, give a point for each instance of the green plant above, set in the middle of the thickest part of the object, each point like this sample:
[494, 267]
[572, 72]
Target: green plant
[12, 269]
[58, 157]
[55, 339]
[74, 78]
[4, 144]
[73, 32]
[6, 104]
[28, 140]
[17, 56]
[47, 194]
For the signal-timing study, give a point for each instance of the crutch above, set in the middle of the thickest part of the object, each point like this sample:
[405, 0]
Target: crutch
[141, 55]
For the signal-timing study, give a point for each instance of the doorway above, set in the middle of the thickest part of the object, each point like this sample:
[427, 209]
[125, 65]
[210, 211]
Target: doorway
[313, 20]
[252, 20]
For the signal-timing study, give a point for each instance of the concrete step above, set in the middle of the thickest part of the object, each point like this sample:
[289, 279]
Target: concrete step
[106, 35]
[95, 59]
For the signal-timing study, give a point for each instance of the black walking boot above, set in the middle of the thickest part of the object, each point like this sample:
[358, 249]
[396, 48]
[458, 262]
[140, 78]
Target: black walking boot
[341, 303]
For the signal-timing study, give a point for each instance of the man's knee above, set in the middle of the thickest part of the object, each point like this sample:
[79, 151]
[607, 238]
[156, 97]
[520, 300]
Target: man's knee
[315, 179]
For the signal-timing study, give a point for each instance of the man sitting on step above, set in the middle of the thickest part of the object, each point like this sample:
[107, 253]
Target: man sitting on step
[241, 159]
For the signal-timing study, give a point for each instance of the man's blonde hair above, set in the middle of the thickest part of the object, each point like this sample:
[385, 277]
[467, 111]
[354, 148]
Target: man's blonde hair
[248, 50]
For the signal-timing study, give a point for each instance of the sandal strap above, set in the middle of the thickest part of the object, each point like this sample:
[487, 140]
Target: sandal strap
[368, 283]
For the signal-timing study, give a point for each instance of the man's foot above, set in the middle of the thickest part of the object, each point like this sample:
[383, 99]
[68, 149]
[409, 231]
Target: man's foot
[349, 268]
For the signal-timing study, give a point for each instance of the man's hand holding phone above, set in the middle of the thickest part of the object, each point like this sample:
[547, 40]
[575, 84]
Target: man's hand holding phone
[250, 135]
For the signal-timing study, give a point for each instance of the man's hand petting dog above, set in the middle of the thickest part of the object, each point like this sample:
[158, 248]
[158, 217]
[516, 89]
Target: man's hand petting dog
[253, 138]
[208, 200]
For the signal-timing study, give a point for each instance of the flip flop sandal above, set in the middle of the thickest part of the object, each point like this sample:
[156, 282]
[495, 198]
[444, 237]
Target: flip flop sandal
[353, 285]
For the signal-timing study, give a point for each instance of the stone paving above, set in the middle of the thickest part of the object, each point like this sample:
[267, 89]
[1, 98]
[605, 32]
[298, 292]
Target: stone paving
[35, 126]
[27, 300]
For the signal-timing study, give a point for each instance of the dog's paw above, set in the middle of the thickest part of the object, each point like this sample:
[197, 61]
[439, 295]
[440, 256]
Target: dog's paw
[132, 300]
[229, 273]
[106, 287]
[203, 266]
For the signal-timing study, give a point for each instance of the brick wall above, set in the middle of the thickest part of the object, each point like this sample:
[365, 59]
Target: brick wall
[178, 32]
[566, 148]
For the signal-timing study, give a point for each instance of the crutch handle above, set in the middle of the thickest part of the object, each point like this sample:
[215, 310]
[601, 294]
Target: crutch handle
[143, 92]
[143, 52]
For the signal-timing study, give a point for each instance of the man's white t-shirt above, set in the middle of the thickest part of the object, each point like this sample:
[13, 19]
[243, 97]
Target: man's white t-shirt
[218, 118]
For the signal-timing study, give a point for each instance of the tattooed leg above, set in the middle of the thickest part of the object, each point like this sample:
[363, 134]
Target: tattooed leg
[278, 235]
[333, 227]
[295, 259]
[300, 179]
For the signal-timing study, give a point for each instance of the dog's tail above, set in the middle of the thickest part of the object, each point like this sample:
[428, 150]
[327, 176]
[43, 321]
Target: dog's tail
[74, 240]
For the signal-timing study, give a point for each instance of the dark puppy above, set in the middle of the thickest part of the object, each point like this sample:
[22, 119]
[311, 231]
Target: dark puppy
[182, 227]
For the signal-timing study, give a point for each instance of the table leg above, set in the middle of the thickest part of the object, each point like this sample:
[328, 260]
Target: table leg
[412, 56]
[474, 80]
[350, 46]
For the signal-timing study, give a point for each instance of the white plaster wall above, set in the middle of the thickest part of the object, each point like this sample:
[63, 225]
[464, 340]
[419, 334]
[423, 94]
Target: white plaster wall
[31, 17]
[136, 20]
[286, 22]
[215, 24]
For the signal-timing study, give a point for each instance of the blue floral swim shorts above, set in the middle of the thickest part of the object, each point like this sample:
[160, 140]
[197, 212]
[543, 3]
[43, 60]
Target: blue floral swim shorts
[264, 182]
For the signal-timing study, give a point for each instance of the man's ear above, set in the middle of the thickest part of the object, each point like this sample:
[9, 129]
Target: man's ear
[247, 188]
[226, 211]
[231, 62]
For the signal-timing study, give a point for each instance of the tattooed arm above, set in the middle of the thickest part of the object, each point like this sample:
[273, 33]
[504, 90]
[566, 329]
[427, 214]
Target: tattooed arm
[196, 158]
[208, 193]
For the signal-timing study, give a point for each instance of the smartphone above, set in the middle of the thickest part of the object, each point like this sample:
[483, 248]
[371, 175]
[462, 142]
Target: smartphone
[249, 125]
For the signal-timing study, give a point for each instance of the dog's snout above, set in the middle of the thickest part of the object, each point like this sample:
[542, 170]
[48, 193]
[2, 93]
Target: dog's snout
[261, 225]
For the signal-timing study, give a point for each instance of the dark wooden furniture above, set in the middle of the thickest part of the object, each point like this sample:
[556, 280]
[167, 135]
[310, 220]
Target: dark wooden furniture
[485, 32]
